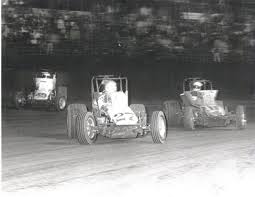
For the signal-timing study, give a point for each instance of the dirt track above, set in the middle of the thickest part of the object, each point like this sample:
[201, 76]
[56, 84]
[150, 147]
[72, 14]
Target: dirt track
[37, 156]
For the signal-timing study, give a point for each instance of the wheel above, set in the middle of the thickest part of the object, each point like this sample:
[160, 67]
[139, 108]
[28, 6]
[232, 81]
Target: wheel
[158, 127]
[72, 111]
[140, 112]
[19, 100]
[61, 104]
[241, 121]
[86, 128]
[173, 112]
[189, 119]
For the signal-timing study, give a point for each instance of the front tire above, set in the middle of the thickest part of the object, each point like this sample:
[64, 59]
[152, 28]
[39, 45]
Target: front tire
[158, 127]
[19, 100]
[73, 111]
[240, 117]
[86, 128]
[189, 119]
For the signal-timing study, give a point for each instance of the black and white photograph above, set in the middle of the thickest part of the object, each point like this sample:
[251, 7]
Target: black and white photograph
[111, 98]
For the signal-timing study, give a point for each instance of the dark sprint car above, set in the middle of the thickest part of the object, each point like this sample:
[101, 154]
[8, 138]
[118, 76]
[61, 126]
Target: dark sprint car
[201, 109]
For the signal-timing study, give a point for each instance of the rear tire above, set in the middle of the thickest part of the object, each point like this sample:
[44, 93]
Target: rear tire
[158, 127]
[140, 111]
[189, 119]
[240, 117]
[61, 103]
[173, 112]
[86, 132]
[72, 112]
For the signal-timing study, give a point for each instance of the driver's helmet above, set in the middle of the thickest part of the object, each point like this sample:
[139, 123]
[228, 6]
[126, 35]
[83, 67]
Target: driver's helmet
[197, 86]
[110, 86]
[46, 74]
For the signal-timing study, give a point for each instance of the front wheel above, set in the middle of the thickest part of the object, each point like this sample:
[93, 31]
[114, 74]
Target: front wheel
[86, 128]
[73, 110]
[240, 117]
[19, 100]
[61, 104]
[158, 127]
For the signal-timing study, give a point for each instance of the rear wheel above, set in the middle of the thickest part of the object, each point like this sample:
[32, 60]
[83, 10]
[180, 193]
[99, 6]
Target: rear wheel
[140, 112]
[72, 112]
[172, 110]
[61, 103]
[158, 127]
[189, 119]
[86, 128]
[240, 117]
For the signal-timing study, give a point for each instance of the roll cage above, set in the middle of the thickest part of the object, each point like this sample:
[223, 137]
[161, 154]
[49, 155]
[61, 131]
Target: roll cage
[96, 84]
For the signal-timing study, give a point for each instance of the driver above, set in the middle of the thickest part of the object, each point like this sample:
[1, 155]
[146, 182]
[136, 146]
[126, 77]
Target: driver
[105, 99]
[114, 103]
[195, 92]
[198, 100]
[197, 86]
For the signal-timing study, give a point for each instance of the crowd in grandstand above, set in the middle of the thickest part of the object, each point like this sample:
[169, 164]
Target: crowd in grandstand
[143, 29]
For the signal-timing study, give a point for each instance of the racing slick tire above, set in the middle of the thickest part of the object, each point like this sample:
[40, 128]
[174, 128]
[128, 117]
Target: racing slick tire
[72, 112]
[188, 120]
[85, 126]
[158, 127]
[173, 112]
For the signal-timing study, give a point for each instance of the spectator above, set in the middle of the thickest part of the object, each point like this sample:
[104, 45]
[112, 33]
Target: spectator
[52, 40]
[220, 49]
[36, 36]
[74, 32]
[5, 31]
[61, 26]
[216, 55]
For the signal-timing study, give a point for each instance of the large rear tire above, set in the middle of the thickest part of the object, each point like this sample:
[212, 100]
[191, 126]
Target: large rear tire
[73, 111]
[158, 127]
[173, 112]
[140, 112]
[86, 128]
[188, 119]
[241, 121]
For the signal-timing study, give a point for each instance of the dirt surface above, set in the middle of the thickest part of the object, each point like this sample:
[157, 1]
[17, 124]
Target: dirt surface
[37, 156]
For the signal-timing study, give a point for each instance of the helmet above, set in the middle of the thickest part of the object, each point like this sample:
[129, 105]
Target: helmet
[110, 86]
[197, 85]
